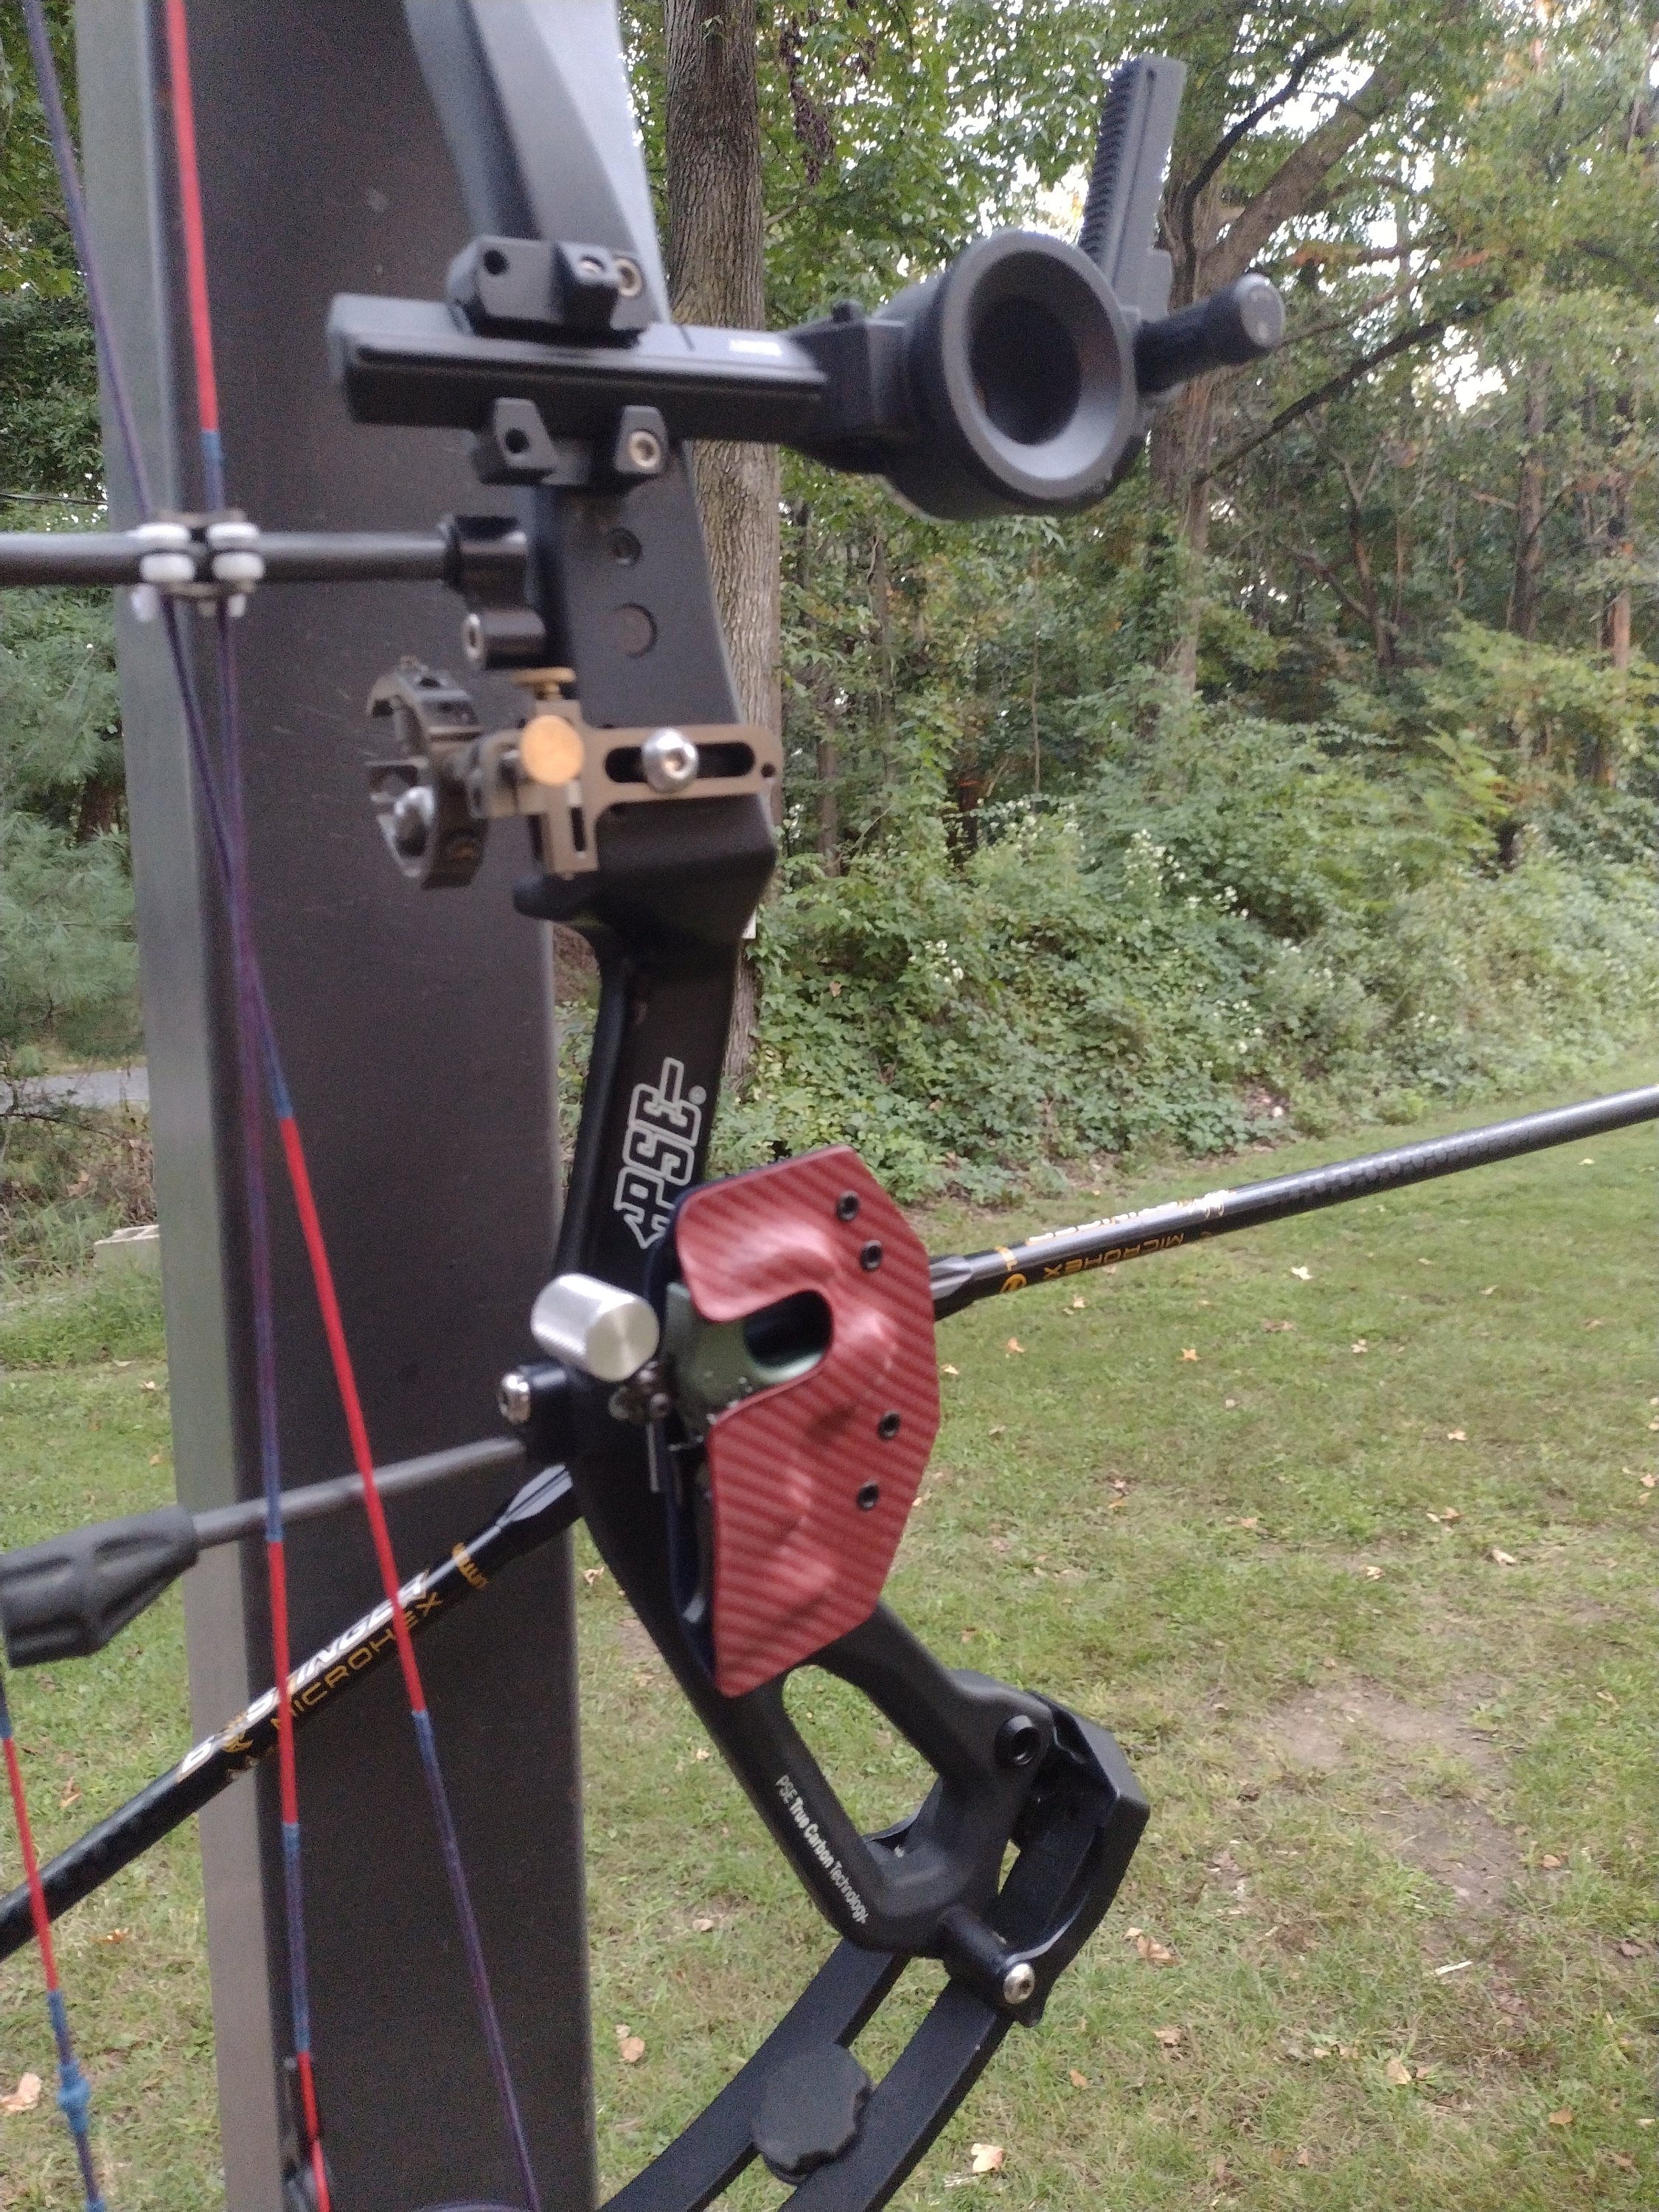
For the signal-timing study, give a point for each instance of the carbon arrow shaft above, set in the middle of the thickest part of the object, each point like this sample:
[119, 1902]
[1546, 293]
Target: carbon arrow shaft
[541, 1510]
[960, 1281]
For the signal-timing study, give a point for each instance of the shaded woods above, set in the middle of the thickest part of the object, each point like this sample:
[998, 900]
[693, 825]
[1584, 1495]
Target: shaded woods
[1317, 767]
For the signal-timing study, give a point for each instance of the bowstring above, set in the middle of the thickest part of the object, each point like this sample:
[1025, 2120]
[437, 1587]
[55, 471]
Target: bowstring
[226, 802]
[223, 808]
[74, 2091]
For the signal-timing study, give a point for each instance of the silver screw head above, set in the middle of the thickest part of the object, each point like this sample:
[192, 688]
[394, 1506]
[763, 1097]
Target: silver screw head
[644, 451]
[668, 760]
[629, 282]
[412, 815]
[1019, 1985]
[512, 1396]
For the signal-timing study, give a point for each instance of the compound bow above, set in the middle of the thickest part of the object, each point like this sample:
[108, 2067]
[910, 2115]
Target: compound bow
[739, 1391]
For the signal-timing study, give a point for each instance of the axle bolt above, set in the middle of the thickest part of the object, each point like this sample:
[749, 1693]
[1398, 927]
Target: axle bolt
[1018, 1740]
[870, 1256]
[513, 1395]
[1019, 1985]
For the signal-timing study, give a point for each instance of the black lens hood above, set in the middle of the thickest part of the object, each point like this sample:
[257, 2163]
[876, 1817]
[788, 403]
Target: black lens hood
[1019, 364]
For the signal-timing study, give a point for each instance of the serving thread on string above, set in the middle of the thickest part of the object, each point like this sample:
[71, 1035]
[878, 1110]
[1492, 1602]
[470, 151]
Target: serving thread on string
[74, 2092]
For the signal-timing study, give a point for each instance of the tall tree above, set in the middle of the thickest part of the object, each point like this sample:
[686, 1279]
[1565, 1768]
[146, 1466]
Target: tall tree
[717, 274]
[1291, 123]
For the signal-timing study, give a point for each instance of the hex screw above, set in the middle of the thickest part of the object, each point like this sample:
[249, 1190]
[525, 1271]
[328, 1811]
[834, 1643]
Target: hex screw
[1018, 1740]
[846, 1206]
[513, 1395]
[870, 1256]
[869, 1498]
[1019, 1984]
[669, 761]
[644, 451]
[888, 1427]
[413, 813]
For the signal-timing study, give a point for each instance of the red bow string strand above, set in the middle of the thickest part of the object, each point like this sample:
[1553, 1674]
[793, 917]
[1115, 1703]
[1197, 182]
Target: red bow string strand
[220, 786]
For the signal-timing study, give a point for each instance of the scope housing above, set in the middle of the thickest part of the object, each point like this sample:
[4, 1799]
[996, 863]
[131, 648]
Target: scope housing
[1004, 386]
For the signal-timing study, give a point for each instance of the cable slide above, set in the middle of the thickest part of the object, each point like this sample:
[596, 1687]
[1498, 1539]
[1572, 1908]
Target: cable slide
[738, 1390]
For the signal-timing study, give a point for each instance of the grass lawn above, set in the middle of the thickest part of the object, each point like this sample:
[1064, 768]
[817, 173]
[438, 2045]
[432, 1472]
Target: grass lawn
[1400, 1856]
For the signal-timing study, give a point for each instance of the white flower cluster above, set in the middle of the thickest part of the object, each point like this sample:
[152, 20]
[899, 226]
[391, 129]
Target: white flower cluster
[935, 963]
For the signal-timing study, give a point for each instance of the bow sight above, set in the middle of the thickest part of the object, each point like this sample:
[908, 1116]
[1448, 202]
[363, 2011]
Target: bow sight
[1019, 380]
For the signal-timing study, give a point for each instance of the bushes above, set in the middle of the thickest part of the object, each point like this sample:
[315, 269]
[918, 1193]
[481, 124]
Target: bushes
[1269, 910]
[67, 965]
[67, 1178]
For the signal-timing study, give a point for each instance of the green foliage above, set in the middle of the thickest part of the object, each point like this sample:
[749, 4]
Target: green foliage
[1043, 899]
[49, 433]
[66, 952]
[68, 1177]
[116, 1316]
[36, 253]
[1264, 911]
[60, 737]
[66, 968]
[1530, 722]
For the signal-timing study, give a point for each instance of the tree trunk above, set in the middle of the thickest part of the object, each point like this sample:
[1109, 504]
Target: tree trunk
[829, 767]
[1211, 245]
[716, 274]
[1180, 442]
[1528, 589]
[1615, 630]
[881, 609]
[1615, 625]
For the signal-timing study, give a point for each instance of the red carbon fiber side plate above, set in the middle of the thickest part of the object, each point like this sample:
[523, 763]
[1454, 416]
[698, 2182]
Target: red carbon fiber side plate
[797, 1561]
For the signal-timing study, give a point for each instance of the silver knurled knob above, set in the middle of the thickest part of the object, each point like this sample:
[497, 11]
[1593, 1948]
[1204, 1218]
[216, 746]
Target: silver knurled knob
[606, 1333]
